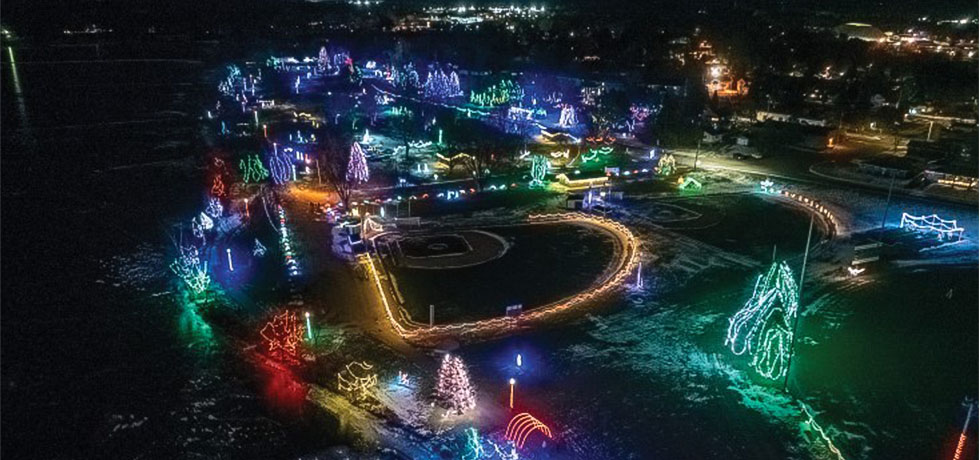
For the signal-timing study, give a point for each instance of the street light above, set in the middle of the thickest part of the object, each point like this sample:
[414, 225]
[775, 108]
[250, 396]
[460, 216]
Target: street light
[231, 267]
[512, 382]
[309, 330]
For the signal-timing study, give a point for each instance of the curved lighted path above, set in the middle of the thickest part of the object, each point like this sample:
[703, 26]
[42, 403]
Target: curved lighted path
[814, 206]
[612, 278]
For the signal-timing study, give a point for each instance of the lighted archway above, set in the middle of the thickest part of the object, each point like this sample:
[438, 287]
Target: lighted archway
[522, 425]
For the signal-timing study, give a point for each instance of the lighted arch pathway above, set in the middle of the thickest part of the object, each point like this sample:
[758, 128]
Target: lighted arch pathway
[522, 425]
[625, 259]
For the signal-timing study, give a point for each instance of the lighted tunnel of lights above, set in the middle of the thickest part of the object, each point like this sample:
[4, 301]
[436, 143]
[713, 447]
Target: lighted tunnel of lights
[522, 426]
[619, 271]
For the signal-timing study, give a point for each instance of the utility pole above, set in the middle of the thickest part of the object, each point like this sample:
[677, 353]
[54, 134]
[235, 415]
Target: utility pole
[318, 179]
[898, 124]
[698, 151]
[884, 215]
[962, 441]
[799, 301]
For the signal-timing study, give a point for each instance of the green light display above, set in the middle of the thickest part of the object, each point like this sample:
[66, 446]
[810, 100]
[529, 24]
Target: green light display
[252, 169]
[763, 327]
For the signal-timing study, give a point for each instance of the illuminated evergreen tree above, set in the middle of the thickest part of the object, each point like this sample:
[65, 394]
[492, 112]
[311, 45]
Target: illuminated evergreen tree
[323, 60]
[453, 387]
[357, 168]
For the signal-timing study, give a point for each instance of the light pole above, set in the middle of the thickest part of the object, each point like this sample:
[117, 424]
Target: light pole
[512, 382]
[888, 202]
[309, 329]
[962, 442]
[246, 209]
[698, 152]
[231, 267]
[799, 301]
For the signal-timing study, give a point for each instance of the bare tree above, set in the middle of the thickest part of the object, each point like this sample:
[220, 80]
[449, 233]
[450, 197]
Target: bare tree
[334, 157]
[485, 154]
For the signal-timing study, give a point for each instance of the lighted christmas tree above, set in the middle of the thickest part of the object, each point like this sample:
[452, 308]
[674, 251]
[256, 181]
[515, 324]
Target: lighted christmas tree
[323, 61]
[357, 168]
[408, 77]
[453, 387]
[763, 328]
[440, 85]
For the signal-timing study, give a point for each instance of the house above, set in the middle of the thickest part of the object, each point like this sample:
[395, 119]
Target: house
[953, 176]
[811, 121]
[712, 136]
[762, 116]
[739, 151]
[674, 87]
[778, 135]
[887, 166]
[818, 138]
